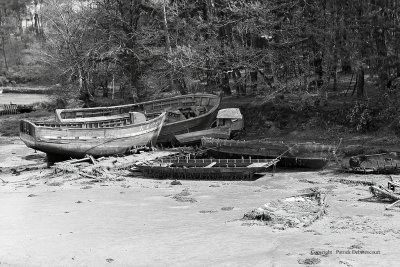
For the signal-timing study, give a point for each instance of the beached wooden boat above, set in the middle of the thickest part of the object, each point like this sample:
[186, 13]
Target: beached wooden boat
[206, 169]
[186, 113]
[99, 138]
[194, 138]
[383, 163]
[303, 155]
[229, 121]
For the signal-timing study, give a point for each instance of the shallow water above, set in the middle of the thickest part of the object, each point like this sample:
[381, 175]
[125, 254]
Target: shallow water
[22, 99]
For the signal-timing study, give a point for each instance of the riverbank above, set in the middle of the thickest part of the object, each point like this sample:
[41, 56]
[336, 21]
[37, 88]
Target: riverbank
[58, 220]
[25, 90]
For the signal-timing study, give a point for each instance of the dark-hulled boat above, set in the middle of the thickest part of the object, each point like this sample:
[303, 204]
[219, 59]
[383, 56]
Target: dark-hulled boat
[186, 113]
[303, 155]
[194, 138]
[206, 169]
[99, 138]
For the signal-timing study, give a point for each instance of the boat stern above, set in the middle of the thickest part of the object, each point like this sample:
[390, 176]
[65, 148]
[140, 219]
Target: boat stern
[27, 133]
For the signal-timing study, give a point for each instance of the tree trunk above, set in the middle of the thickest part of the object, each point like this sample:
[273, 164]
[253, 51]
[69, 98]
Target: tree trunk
[166, 33]
[240, 90]
[105, 88]
[4, 52]
[253, 80]
[360, 83]
[225, 84]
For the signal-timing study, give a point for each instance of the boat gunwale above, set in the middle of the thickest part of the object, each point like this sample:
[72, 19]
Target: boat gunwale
[91, 129]
[211, 96]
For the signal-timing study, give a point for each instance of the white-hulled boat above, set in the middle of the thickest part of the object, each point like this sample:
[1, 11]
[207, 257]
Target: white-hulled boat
[96, 138]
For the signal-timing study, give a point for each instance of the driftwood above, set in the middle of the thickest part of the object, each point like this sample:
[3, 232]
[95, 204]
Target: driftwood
[392, 185]
[383, 193]
[88, 175]
[74, 161]
[391, 206]
[92, 159]
[19, 169]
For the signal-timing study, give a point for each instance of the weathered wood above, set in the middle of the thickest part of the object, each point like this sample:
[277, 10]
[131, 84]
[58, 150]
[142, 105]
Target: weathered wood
[188, 122]
[307, 155]
[202, 170]
[379, 190]
[392, 185]
[8, 109]
[73, 161]
[88, 175]
[100, 138]
[195, 137]
[210, 165]
[391, 206]
[92, 159]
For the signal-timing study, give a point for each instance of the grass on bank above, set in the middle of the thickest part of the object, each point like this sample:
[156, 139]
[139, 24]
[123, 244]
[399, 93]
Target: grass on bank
[10, 123]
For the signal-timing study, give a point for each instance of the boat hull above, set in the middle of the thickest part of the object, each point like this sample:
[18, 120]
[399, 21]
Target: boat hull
[194, 138]
[170, 128]
[228, 174]
[78, 142]
[232, 148]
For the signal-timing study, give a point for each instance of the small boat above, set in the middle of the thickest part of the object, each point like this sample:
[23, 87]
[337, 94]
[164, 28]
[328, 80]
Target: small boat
[303, 155]
[229, 121]
[206, 169]
[185, 113]
[194, 138]
[382, 163]
[99, 138]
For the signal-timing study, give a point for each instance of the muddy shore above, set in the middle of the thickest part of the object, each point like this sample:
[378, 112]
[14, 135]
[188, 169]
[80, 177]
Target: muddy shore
[52, 220]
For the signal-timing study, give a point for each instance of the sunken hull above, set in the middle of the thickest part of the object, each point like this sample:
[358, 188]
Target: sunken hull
[206, 103]
[306, 155]
[97, 139]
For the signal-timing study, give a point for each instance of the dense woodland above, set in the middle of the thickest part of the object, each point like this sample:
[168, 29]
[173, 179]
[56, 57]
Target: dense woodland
[152, 47]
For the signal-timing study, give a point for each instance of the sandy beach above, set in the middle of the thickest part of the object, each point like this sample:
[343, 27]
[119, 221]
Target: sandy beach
[55, 220]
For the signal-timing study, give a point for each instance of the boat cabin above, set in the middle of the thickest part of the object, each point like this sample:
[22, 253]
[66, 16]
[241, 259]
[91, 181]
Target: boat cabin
[230, 117]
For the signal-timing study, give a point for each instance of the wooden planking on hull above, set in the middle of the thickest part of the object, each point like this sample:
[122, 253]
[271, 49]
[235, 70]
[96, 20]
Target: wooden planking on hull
[312, 158]
[200, 112]
[79, 139]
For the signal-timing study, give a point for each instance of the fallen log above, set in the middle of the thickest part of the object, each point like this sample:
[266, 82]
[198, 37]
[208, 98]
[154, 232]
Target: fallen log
[380, 191]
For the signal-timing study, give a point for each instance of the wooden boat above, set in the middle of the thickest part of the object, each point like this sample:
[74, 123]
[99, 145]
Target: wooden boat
[186, 113]
[383, 163]
[228, 121]
[194, 138]
[303, 155]
[99, 138]
[206, 169]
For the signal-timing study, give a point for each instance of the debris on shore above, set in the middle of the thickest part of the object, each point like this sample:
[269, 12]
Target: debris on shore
[105, 168]
[296, 211]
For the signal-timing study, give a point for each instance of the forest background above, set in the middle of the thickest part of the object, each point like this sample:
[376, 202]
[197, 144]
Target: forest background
[337, 58]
